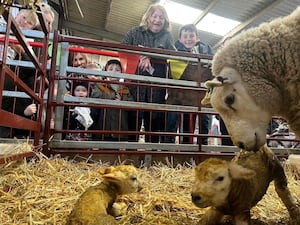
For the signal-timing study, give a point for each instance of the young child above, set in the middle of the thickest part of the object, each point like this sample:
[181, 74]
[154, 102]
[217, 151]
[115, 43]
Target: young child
[26, 20]
[78, 118]
[115, 119]
[93, 66]
[189, 41]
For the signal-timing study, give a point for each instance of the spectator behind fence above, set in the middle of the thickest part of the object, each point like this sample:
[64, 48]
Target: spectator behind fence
[93, 66]
[153, 32]
[76, 59]
[48, 16]
[79, 117]
[23, 106]
[106, 118]
[189, 41]
[25, 19]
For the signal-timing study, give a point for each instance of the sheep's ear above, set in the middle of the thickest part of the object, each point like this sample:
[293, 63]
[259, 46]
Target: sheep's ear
[106, 170]
[211, 84]
[113, 176]
[218, 81]
[239, 172]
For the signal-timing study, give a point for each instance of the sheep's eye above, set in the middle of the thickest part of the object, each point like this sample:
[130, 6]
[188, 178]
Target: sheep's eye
[133, 178]
[229, 100]
[220, 178]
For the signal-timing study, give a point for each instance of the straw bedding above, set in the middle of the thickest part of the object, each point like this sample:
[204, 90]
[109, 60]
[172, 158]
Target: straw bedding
[43, 191]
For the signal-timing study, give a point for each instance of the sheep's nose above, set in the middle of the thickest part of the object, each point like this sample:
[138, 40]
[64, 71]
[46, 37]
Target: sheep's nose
[195, 197]
[241, 145]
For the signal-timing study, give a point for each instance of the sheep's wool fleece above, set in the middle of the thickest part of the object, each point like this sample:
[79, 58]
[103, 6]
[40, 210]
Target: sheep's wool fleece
[269, 53]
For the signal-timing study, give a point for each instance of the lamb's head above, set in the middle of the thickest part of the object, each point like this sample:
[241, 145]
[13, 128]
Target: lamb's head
[213, 179]
[125, 177]
[245, 119]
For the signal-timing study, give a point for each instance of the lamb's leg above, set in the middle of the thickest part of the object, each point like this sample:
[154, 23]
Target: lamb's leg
[211, 217]
[284, 192]
[242, 219]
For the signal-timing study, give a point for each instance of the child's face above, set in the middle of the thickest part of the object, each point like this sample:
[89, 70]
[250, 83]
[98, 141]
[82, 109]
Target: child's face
[80, 91]
[114, 68]
[188, 38]
[25, 21]
[93, 76]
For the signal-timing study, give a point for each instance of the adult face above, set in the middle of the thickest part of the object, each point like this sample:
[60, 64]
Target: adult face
[48, 21]
[156, 21]
[79, 61]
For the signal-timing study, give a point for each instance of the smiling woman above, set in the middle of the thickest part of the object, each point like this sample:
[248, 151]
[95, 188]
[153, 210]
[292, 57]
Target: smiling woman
[153, 32]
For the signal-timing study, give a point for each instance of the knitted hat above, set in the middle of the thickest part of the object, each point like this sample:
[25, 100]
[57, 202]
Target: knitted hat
[113, 61]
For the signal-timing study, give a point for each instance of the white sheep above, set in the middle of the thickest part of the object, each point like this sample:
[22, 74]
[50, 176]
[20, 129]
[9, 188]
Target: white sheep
[257, 76]
[232, 188]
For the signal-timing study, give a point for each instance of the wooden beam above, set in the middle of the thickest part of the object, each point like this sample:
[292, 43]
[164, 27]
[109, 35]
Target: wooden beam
[92, 30]
[205, 11]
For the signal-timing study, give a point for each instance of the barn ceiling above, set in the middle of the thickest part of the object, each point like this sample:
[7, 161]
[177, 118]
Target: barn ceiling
[109, 20]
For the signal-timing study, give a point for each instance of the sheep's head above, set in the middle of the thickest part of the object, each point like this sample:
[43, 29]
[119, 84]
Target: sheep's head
[213, 179]
[245, 120]
[125, 177]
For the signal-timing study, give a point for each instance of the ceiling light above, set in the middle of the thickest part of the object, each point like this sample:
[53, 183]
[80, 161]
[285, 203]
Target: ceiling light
[179, 13]
[217, 24]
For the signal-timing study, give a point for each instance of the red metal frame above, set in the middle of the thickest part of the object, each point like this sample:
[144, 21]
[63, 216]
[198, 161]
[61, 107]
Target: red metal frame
[10, 119]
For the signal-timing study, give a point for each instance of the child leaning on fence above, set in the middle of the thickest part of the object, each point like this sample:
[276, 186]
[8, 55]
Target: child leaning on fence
[189, 41]
[110, 119]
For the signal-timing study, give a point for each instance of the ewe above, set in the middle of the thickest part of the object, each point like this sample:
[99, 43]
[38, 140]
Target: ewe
[257, 76]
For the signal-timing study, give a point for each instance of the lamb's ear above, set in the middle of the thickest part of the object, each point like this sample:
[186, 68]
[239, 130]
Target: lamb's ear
[106, 170]
[239, 172]
[114, 176]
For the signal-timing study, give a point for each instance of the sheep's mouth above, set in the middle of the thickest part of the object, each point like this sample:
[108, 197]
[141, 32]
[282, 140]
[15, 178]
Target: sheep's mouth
[253, 148]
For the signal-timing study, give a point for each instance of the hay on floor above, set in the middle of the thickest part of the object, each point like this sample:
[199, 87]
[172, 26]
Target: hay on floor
[7, 150]
[43, 191]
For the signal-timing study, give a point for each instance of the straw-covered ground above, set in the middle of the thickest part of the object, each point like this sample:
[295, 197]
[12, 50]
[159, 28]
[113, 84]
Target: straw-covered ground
[44, 190]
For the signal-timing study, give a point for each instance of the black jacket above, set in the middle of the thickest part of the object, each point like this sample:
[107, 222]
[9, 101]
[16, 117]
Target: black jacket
[140, 36]
[200, 47]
